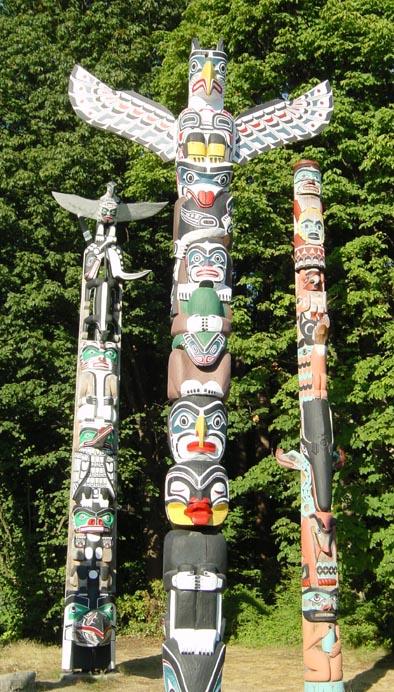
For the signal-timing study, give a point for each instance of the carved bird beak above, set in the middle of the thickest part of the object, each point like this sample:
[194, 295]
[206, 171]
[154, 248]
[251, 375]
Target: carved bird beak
[208, 75]
[201, 429]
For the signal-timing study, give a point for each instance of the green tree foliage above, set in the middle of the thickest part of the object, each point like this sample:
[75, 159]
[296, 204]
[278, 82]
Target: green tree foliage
[275, 47]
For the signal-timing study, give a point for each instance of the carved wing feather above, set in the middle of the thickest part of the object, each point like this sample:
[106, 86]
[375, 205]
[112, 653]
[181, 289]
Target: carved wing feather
[277, 122]
[138, 210]
[87, 208]
[124, 112]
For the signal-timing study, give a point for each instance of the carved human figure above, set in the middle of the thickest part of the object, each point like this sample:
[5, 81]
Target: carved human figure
[322, 651]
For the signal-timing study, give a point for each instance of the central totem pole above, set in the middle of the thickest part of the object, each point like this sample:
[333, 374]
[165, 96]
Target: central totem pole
[205, 141]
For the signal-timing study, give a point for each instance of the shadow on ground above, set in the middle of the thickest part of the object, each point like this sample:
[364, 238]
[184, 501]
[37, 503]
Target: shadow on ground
[364, 681]
[148, 667]
[69, 681]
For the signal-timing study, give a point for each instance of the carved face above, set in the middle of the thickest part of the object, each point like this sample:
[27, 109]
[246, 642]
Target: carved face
[207, 73]
[310, 226]
[197, 428]
[319, 605]
[203, 183]
[307, 181]
[206, 262]
[94, 356]
[107, 212]
[197, 494]
[86, 520]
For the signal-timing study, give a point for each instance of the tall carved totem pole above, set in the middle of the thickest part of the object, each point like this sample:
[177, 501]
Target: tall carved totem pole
[316, 459]
[90, 615]
[205, 141]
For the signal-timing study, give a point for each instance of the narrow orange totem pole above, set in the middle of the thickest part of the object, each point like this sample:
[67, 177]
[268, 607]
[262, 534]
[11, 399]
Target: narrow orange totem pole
[316, 459]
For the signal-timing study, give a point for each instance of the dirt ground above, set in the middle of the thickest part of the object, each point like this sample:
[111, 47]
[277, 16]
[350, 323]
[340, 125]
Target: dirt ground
[245, 670]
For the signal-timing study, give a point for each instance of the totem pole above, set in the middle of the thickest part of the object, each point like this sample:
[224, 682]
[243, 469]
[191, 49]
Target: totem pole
[205, 142]
[316, 459]
[90, 615]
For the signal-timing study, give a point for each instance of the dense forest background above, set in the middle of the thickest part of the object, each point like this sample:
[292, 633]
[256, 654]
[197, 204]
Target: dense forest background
[275, 47]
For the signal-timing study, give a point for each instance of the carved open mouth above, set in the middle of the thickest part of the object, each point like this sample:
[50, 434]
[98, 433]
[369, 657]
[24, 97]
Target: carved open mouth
[205, 448]
[95, 528]
[199, 511]
[204, 198]
[310, 187]
[100, 364]
[207, 272]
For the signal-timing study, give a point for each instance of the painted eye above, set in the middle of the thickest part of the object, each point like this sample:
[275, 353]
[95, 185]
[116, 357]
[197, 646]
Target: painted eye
[222, 68]
[108, 609]
[218, 490]
[108, 519]
[194, 66]
[89, 352]
[223, 179]
[195, 258]
[217, 421]
[180, 489]
[111, 354]
[184, 420]
[81, 517]
[218, 258]
[87, 435]
[190, 177]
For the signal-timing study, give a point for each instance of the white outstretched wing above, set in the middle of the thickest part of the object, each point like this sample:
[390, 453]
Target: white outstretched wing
[124, 112]
[80, 206]
[89, 208]
[277, 122]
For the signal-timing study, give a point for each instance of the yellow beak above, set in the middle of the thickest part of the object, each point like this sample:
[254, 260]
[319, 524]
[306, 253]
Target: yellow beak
[208, 74]
[201, 429]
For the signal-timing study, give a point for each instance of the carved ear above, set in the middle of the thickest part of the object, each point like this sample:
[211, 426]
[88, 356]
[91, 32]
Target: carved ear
[195, 44]
[220, 46]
